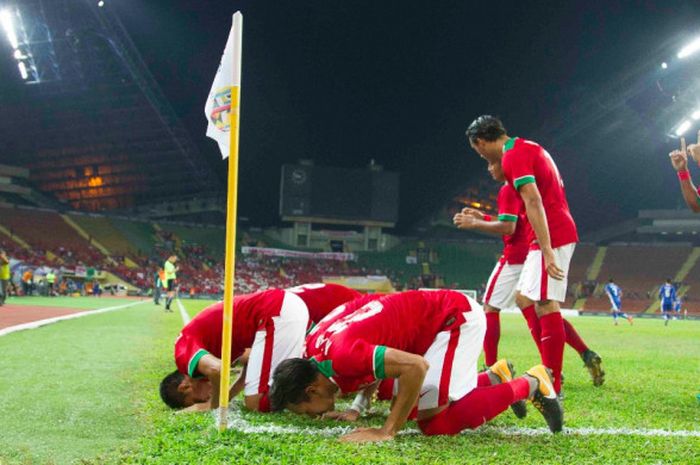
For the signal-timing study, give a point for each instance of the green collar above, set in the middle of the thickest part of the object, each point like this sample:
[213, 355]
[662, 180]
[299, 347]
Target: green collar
[510, 143]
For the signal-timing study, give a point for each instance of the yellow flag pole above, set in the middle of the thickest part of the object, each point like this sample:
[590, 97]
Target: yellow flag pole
[231, 215]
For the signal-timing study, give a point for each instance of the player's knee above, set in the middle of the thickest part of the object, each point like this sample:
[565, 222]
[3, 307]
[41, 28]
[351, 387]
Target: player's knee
[490, 309]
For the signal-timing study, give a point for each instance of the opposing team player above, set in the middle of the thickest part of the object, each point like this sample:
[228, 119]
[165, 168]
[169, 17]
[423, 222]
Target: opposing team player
[429, 342]
[667, 295]
[615, 295]
[272, 324]
[534, 175]
[511, 223]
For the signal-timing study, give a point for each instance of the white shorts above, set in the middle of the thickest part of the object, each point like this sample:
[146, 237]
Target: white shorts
[536, 284]
[500, 289]
[453, 358]
[282, 338]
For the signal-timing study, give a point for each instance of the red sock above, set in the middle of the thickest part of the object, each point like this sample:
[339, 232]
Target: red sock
[483, 380]
[552, 342]
[493, 334]
[476, 408]
[533, 323]
[573, 338]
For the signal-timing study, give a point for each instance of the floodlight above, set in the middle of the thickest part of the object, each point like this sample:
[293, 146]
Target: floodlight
[101, 3]
[689, 49]
[683, 127]
[664, 65]
[696, 115]
[7, 24]
[23, 70]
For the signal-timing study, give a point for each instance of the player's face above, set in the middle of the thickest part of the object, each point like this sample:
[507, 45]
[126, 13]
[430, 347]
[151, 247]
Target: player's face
[496, 171]
[489, 151]
[321, 400]
[195, 390]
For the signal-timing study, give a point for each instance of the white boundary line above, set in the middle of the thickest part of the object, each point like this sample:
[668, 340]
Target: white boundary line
[238, 423]
[183, 313]
[48, 321]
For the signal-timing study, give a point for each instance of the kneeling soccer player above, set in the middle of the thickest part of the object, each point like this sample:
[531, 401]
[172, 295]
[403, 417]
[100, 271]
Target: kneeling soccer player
[429, 341]
[271, 323]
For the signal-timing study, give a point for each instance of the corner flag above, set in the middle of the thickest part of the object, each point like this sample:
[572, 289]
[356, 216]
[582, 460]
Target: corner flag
[222, 112]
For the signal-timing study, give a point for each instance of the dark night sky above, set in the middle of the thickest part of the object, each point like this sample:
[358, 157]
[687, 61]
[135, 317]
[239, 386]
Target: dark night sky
[344, 82]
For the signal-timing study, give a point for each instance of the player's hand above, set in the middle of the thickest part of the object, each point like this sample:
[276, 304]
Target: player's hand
[694, 150]
[679, 160]
[366, 435]
[478, 214]
[551, 265]
[348, 415]
[464, 221]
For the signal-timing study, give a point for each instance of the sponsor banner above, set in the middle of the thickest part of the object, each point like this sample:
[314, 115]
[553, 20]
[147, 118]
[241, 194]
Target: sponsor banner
[339, 256]
[362, 283]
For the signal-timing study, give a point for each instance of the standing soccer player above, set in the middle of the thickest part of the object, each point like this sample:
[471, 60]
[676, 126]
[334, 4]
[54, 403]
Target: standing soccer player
[170, 277]
[512, 225]
[533, 173]
[667, 295]
[4, 276]
[615, 295]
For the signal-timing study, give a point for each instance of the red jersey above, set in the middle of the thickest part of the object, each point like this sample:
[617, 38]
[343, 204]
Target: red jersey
[511, 208]
[348, 347]
[202, 335]
[526, 162]
[321, 298]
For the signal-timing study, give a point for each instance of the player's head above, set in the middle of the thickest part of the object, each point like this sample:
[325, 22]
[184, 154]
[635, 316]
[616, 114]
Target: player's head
[611, 280]
[172, 258]
[180, 391]
[496, 171]
[299, 386]
[485, 136]
[668, 280]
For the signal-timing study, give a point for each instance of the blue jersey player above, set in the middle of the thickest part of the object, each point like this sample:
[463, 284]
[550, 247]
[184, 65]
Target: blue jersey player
[667, 295]
[615, 295]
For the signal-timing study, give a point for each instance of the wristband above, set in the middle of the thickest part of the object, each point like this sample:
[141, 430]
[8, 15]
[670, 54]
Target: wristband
[683, 175]
[360, 404]
[487, 218]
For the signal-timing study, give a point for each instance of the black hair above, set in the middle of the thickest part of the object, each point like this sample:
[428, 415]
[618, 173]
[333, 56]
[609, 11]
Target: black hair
[610, 280]
[486, 127]
[169, 390]
[668, 280]
[289, 382]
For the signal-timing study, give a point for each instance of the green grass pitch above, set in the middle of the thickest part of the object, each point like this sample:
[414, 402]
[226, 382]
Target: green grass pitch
[85, 391]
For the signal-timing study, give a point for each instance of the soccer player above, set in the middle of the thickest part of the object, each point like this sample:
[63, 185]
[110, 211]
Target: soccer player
[615, 295]
[667, 295]
[271, 323]
[429, 342]
[4, 276]
[514, 229]
[533, 173]
[170, 276]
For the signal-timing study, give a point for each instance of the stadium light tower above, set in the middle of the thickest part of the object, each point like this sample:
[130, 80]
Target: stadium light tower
[689, 49]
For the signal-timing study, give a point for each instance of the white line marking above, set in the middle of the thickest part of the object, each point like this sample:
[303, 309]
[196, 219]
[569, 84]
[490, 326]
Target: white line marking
[48, 321]
[237, 422]
[183, 313]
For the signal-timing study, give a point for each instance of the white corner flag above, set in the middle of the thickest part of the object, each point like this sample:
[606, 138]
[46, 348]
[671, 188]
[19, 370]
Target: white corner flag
[218, 109]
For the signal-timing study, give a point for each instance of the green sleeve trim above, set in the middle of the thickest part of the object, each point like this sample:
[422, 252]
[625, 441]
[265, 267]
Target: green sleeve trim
[192, 366]
[510, 143]
[325, 367]
[378, 365]
[507, 217]
[697, 197]
[522, 180]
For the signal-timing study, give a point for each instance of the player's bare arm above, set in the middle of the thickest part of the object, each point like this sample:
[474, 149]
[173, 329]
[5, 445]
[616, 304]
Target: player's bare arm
[497, 228]
[409, 370]
[538, 220]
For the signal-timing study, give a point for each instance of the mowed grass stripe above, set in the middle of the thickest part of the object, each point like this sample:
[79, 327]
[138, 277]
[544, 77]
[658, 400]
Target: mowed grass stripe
[68, 302]
[75, 390]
